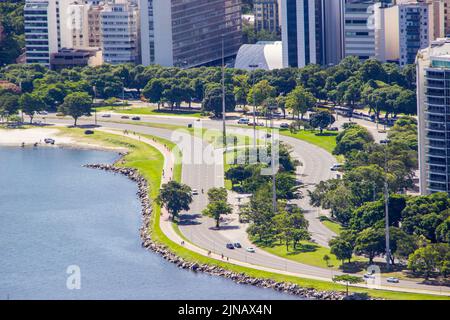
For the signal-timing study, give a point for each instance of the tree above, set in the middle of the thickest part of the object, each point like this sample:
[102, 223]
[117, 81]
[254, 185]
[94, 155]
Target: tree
[237, 174]
[342, 249]
[300, 101]
[31, 103]
[213, 101]
[76, 104]
[217, 194]
[216, 209]
[291, 226]
[260, 92]
[347, 279]
[370, 242]
[433, 258]
[153, 91]
[321, 120]
[354, 137]
[175, 197]
[9, 104]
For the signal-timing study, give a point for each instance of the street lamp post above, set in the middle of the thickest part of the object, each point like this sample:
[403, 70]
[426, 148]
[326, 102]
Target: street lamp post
[95, 109]
[224, 116]
[386, 208]
[254, 67]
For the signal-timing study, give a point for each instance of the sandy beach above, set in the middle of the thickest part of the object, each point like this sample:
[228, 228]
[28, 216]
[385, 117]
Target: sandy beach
[15, 138]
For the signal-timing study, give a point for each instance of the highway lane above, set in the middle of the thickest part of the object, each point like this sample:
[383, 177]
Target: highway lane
[201, 230]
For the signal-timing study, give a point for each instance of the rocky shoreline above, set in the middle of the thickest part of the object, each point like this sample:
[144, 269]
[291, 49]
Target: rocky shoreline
[162, 250]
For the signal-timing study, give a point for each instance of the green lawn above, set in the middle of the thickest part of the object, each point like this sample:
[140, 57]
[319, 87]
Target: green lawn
[149, 162]
[332, 225]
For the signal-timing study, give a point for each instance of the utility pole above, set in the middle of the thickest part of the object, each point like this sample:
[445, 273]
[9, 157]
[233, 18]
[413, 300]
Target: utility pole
[386, 209]
[224, 116]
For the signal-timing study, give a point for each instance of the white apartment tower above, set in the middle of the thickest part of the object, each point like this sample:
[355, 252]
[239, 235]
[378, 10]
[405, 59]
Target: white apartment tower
[433, 110]
[119, 21]
[188, 33]
[41, 20]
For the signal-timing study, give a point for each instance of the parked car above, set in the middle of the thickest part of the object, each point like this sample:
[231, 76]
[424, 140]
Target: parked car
[237, 245]
[106, 115]
[392, 280]
[243, 121]
[124, 117]
[284, 125]
[333, 129]
[89, 132]
[194, 192]
[49, 141]
[369, 276]
[336, 167]
[136, 118]
[229, 245]
[251, 250]
[43, 113]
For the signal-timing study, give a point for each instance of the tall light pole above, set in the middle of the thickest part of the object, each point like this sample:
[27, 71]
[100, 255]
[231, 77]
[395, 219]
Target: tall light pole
[274, 173]
[224, 116]
[254, 67]
[386, 208]
[95, 108]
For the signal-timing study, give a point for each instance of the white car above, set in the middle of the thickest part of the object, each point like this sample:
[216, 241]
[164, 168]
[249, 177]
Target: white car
[369, 276]
[251, 250]
[392, 280]
[243, 121]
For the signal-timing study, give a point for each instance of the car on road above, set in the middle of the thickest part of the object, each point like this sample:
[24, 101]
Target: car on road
[194, 192]
[106, 115]
[49, 141]
[392, 280]
[284, 125]
[336, 167]
[243, 121]
[251, 250]
[136, 118]
[237, 245]
[229, 245]
[369, 276]
[124, 117]
[333, 129]
[42, 113]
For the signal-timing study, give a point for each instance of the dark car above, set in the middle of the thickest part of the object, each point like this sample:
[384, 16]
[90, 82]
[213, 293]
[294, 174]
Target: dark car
[136, 118]
[230, 245]
[124, 117]
[49, 141]
[89, 132]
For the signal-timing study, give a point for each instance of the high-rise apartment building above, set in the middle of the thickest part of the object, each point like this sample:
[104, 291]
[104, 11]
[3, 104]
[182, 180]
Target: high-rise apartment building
[41, 21]
[433, 98]
[267, 15]
[187, 33]
[119, 21]
[94, 25]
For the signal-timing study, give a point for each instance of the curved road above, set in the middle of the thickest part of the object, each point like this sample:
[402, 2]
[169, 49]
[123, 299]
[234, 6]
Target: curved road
[202, 174]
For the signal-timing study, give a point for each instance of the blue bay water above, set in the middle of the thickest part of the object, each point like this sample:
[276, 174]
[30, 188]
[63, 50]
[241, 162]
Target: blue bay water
[54, 213]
